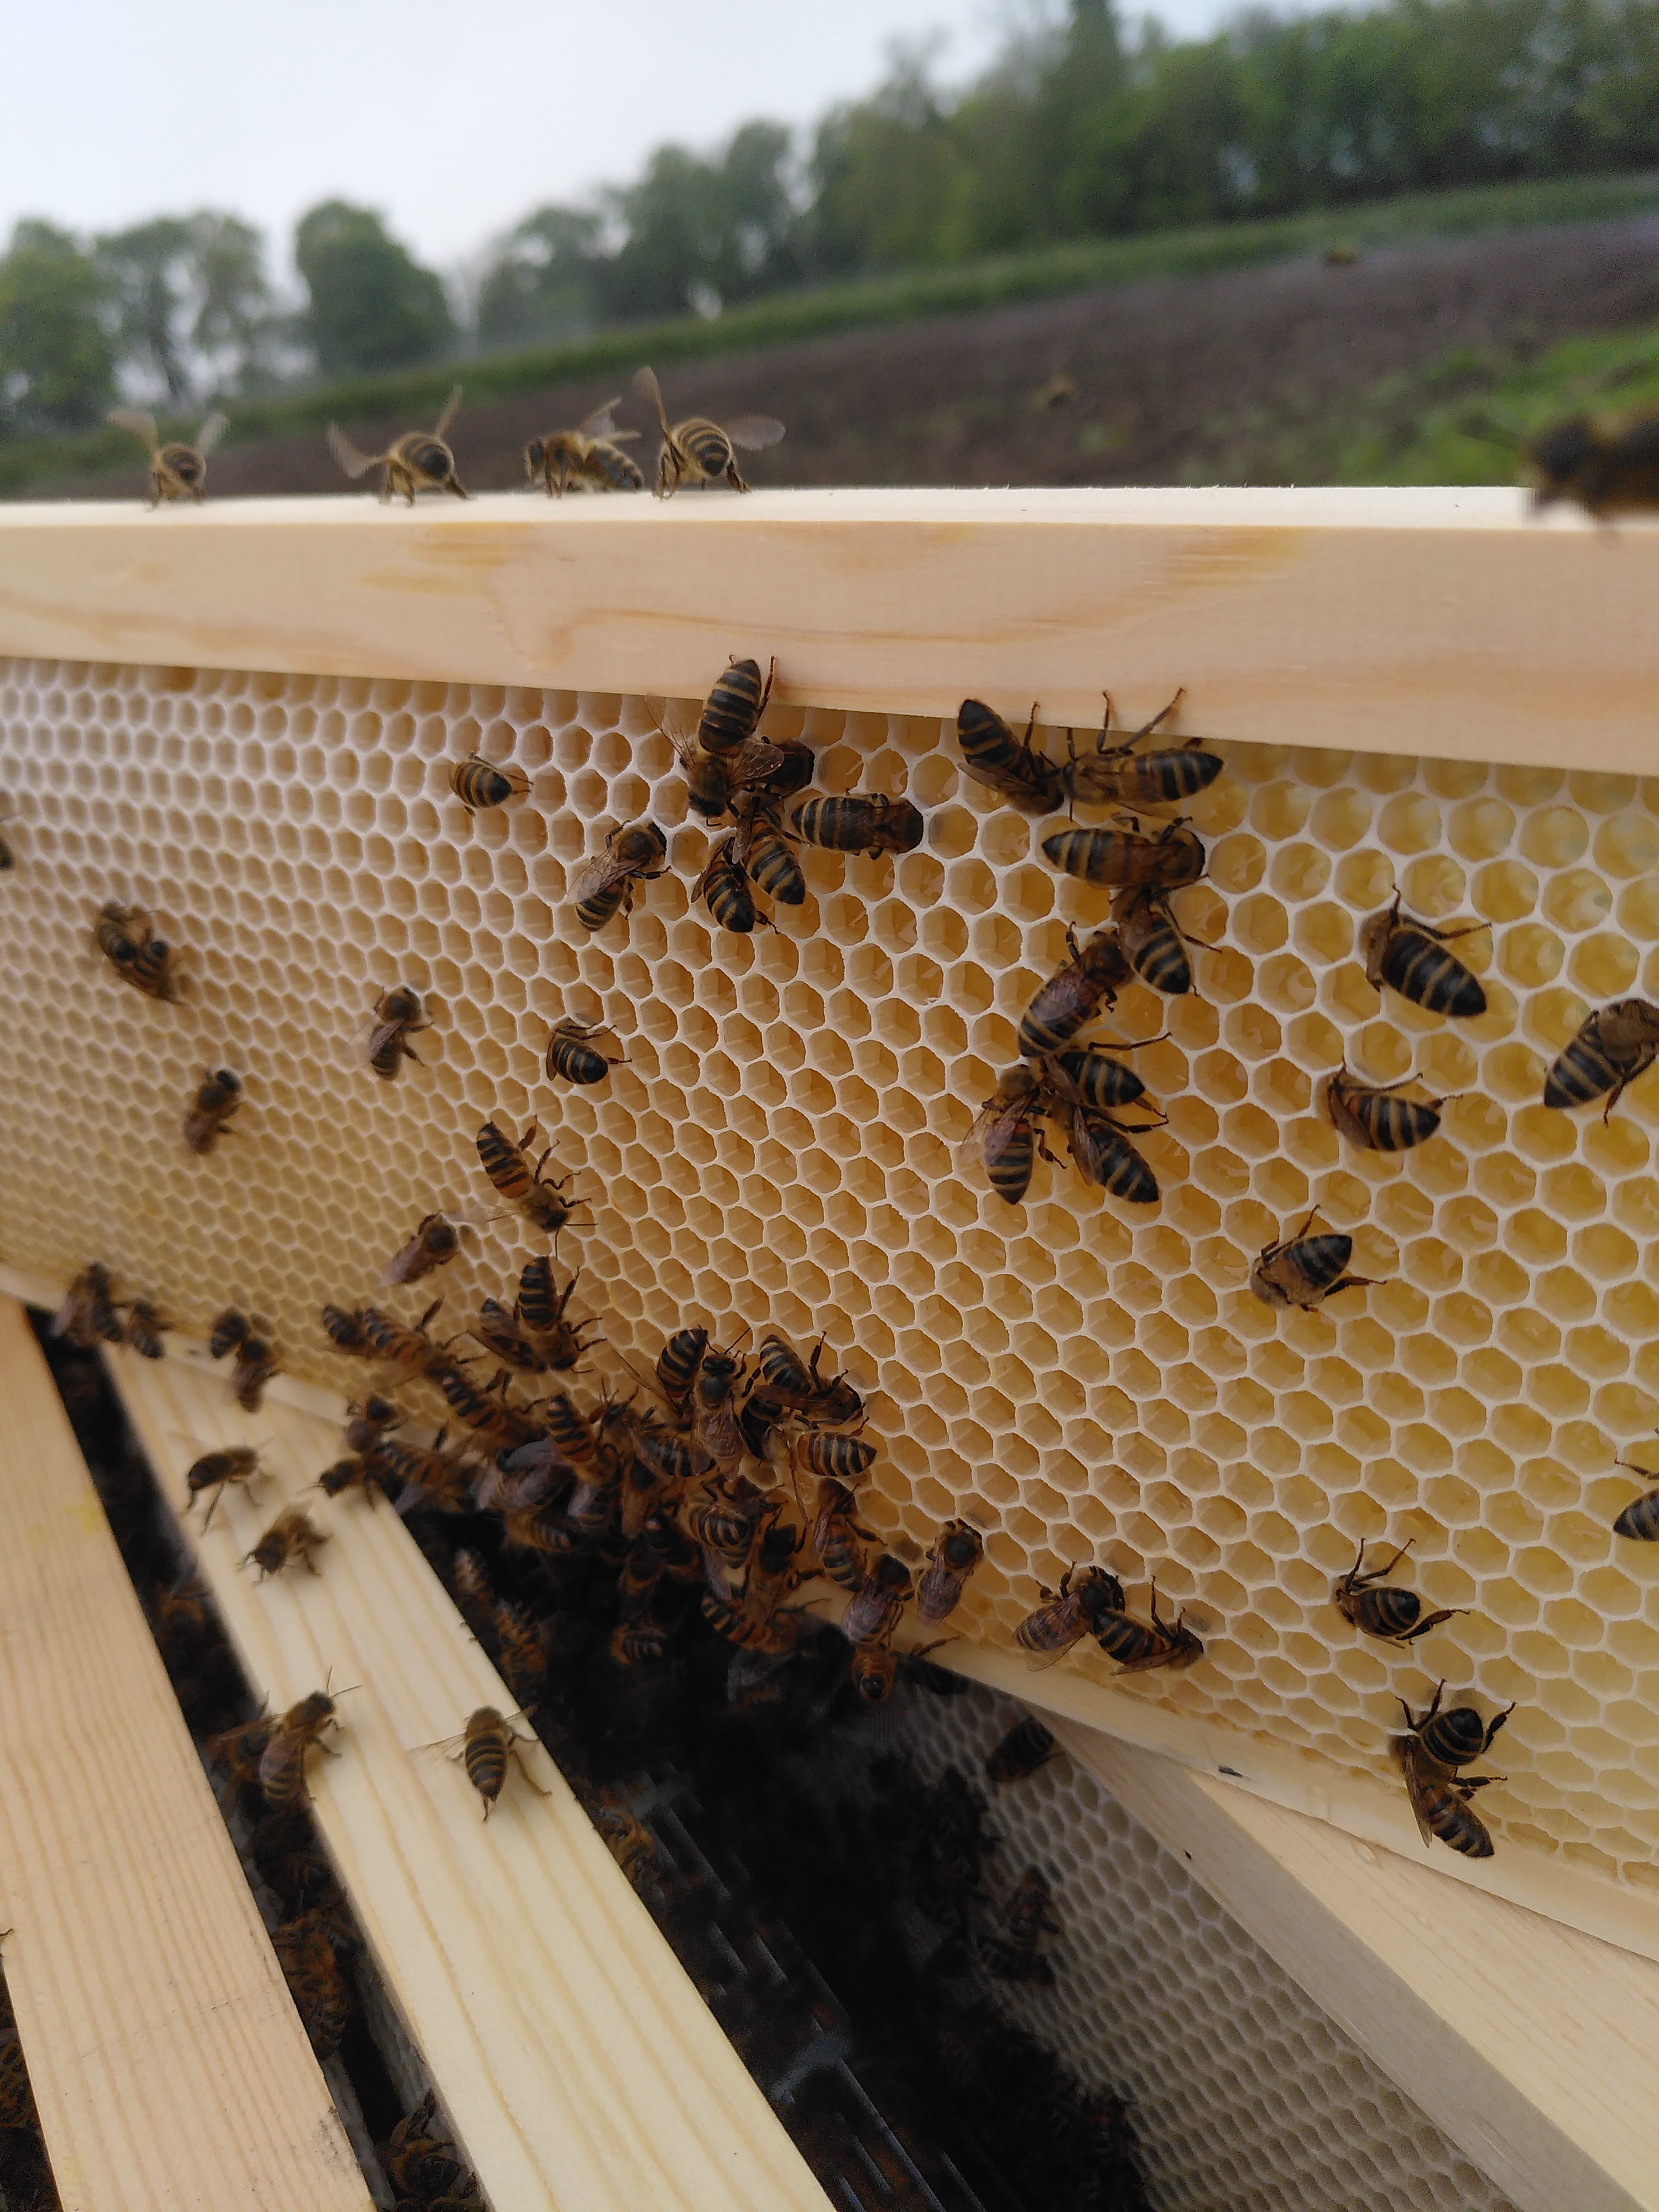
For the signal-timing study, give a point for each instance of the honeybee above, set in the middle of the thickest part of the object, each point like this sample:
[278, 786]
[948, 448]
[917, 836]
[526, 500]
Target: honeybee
[733, 708]
[209, 1115]
[1615, 1045]
[590, 457]
[1099, 1145]
[639, 1643]
[1006, 1136]
[254, 1365]
[772, 1634]
[360, 1471]
[1117, 774]
[713, 1408]
[956, 1553]
[8, 858]
[1608, 468]
[569, 1054]
[487, 1411]
[1452, 1738]
[860, 821]
[398, 1015]
[698, 452]
[677, 1364]
[1440, 1802]
[539, 1313]
[1395, 1615]
[1411, 956]
[1010, 765]
[564, 1426]
[1014, 1956]
[500, 1333]
[480, 784]
[628, 1840]
[215, 1471]
[418, 461]
[123, 935]
[343, 1326]
[87, 1314]
[292, 1536]
[435, 1242]
[523, 1651]
[1373, 1118]
[176, 471]
[725, 888]
[315, 1982]
[1027, 1745]
[1086, 1595]
[636, 853]
[843, 1459]
[1074, 993]
[282, 1763]
[231, 1328]
[240, 1750]
[1304, 1271]
[765, 856]
[489, 1742]
[1139, 1645]
[410, 1351]
[722, 1518]
[877, 1602]
[1098, 1081]
[714, 780]
[143, 1328]
[834, 1538]
[1126, 859]
[1640, 1518]
[1153, 941]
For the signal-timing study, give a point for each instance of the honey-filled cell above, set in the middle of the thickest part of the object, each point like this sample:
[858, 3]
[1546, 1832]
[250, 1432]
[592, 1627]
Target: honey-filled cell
[783, 1144]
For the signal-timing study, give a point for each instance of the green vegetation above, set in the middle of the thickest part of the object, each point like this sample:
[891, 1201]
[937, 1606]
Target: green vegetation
[822, 311]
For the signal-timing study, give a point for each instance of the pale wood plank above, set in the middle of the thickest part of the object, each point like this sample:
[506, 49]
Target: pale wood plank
[1399, 621]
[1530, 2046]
[574, 2054]
[169, 2066]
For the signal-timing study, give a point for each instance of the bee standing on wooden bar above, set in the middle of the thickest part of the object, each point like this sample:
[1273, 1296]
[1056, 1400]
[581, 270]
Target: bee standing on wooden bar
[860, 821]
[1074, 993]
[480, 784]
[1118, 776]
[956, 1553]
[698, 452]
[570, 1054]
[1412, 956]
[1605, 467]
[1615, 1045]
[282, 1763]
[490, 1742]
[292, 1536]
[1452, 1737]
[636, 853]
[176, 471]
[398, 1015]
[418, 461]
[1394, 1616]
[1010, 765]
[435, 1244]
[1440, 1802]
[1139, 1645]
[215, 1471]
[1027, 1747]
[1125, 859]
[231, 1328]
[254, 1365]
[589, 458]
[123, 935]
[143, 1329]
[1086, 1597]
[1370, 1117]
[209, 1115]
[1303, 1270]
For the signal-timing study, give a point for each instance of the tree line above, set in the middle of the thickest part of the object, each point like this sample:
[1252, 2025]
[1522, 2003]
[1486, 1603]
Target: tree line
[1080, 130]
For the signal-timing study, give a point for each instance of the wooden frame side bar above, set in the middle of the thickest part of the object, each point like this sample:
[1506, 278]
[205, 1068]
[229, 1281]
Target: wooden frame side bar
[168, 2064]
[1390, 621]
[578, 2063]
[1530, 2046]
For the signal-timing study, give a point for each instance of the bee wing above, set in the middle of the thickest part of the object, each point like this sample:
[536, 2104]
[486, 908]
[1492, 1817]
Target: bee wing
[139, 420]
[752, 762]
[648, 389]
[1406, 1751]
[211, 431]
[600, 423]
[598, 876]
[993, 1120]
[622, 437]
[755, 431]
[451, 407]
[351, 458]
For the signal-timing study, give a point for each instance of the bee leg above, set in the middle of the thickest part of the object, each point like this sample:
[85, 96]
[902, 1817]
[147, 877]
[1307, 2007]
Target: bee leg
[1353, 1282]
[1433, 1620]
[1147, 731]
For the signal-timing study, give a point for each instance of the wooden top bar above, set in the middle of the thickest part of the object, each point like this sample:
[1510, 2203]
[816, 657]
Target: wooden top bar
[1444, 622]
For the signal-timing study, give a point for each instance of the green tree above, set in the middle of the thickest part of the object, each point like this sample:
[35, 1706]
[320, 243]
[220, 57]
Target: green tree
[542, 280]
[893, 185]
[148, 267]
[695, 230]
[234, 320]
[57, 350]
[372, 305]
[194, 301]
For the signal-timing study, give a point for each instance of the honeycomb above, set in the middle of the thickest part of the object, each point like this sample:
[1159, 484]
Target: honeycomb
[1245, 2093]
[1083, 1378]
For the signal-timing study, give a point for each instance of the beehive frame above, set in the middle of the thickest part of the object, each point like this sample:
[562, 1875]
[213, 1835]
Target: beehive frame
[245, 721]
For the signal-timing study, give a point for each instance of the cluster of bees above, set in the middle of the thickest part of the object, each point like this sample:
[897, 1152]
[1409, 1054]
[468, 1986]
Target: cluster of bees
[942, 1837]
[590, 458]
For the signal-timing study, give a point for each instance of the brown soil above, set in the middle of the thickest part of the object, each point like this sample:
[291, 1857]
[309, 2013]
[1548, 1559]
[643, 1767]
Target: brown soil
[1174, 381]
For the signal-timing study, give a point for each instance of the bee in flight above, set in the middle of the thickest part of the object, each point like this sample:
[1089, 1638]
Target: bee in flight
[587, 458]
[418, 461]
[176, 471]
[698, 452]
[1608, 468]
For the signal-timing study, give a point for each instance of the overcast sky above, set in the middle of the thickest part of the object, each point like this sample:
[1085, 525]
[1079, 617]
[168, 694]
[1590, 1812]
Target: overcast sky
[451, 120]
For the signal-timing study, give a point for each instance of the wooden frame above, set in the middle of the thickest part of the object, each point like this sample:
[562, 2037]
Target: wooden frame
[1407, 621]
